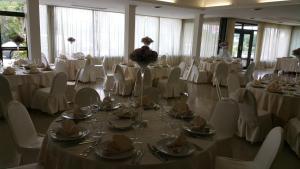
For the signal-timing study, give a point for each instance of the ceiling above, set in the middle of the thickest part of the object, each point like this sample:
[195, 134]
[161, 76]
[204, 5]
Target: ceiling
[281, 12]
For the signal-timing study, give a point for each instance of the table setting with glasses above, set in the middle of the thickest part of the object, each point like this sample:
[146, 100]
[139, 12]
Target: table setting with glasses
[96, 138]
[279, 95]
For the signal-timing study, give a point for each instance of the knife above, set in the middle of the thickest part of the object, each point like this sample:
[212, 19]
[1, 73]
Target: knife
[155, 152]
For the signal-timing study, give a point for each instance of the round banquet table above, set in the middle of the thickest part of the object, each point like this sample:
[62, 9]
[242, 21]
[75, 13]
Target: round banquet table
[157, 72]
[61, 155]
[287, 64]
[283, 106]
[73, 65]
[211, 66]
[25, 84]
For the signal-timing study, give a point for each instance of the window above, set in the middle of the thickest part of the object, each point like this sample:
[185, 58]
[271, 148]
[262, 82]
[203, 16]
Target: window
[44, 30]
[210, 37]
[187, 38]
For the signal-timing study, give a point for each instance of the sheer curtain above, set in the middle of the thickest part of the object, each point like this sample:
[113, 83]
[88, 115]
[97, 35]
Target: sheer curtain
[146, 26]
[295, 39]
[76, 23]
[44, 30]
[187, 38]
[275, 44]
[210, 37]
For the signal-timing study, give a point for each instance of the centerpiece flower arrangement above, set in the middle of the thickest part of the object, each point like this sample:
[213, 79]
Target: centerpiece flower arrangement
[18, 40]
[71, 40]
[224, 50]
[223, 45]
[143, 57]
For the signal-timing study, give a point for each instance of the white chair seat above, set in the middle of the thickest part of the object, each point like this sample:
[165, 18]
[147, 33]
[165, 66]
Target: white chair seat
[292, 136]
[29, 166]
[229, 163]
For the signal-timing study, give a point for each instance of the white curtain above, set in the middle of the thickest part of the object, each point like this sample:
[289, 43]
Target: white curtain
[109, 34]
[187, 38]
[169, 36]
[210, 37]
[275, 44]
[295, 39]
[76, 23]
[146, 26]
[44, 30]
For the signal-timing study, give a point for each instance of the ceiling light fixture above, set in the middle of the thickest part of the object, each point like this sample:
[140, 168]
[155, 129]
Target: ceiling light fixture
[268, 1]
[215, 3]
[169, 1]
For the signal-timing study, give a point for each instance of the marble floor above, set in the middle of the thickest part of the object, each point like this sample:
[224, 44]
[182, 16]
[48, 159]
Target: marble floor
[202, 100]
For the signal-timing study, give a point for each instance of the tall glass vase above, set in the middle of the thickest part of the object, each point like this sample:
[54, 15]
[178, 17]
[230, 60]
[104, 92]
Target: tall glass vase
[141, 110]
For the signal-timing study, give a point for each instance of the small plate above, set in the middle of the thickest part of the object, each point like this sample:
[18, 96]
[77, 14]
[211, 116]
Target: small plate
[187, 149]
[81, 134]
[207, 131]
[70, 115]
[124, 155]
[114, 107]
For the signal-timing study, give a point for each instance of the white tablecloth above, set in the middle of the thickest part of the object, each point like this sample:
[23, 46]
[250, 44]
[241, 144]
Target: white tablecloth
[156, 72]
[287, 64]
[73, 66]
[62, 155]
[211, 66]
[283, 106]
[26, 84]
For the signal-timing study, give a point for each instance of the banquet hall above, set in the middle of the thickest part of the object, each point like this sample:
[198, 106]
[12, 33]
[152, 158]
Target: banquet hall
[158, 84]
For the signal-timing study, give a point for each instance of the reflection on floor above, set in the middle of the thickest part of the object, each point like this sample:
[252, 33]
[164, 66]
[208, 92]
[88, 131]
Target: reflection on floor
[202, 100]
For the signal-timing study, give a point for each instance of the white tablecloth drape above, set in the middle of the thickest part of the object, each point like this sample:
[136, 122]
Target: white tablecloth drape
[61, 155]
[287, 64]
[25, 84]
[73, 65]
[211, 66]
[156, 72]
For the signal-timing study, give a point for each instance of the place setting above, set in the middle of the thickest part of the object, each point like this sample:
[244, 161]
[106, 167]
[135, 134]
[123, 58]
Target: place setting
[198, 127]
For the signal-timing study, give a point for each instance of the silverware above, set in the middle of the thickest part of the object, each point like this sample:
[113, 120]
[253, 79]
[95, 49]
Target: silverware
[87, 142]
[156, 153]
[86, 152]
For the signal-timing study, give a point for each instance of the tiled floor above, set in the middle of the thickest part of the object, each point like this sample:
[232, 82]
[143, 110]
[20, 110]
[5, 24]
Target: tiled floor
[202, 100]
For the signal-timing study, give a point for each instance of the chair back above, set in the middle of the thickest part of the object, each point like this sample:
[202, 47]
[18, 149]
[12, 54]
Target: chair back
[147, 78]
[119, 74]
[249, 72]
[269, 149]
[105, 65]
[77, 76]
[221, 72]
[174, 75]
[59, 84]
[44, 59]
[249, 107]
[233, 83]
[182, 67]
[86, 96]
[6, 95]
[60, 66]
[21, 125]
[224, 118]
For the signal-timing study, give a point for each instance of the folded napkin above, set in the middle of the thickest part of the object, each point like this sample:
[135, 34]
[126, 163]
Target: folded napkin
[107, 102]
[62, 56]
[257, 82]
[33, 69]
[274, 87]
[20, 62]
[126, 112]
[118, 144]
[68, 128]
[198, 123]
[177, 144]
[78, 55]
[181, 109]
[9, 71]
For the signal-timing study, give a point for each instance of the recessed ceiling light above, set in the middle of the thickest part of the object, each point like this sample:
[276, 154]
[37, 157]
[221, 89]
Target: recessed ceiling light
[215, 3]
[157, 6]
[267, 1]
[170, 1]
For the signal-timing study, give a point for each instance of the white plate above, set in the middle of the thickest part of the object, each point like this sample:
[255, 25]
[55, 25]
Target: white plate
[187, 149]
[128, 154]
[70, 115]
[81, 134]
[114, 107]
[207, 131]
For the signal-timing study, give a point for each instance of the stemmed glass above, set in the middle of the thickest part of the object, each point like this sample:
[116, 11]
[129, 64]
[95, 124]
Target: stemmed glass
[136, 125]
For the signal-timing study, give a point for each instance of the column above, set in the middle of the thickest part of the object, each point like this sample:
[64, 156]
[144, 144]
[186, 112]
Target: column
[129, 31]
[198, 24]
[33, 30]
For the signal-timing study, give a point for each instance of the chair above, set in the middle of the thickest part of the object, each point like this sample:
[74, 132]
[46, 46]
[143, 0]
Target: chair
[25, 136]
[253, 124]
[198, 76]
[182, 67]
[220, 77]
[88, 72]
[224, 118]
[292, 134]
[170, 87]
[263, 159]
[108, 76]
[86, 96]
[61, 66]
[147, 82]
[247, 76]
[123, 86]
[52, 99]
[6, 95]
[72, 86]
[29, 166]
[233, 86]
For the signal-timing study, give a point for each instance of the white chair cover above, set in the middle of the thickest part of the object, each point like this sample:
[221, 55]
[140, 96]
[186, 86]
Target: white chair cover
[263, 159]
[52, 100]
[170, 87]
[253, 124]
[224, 118]
[88, 73]
[6, 95]
[72, 87]
[61, 66]
[292, 135]
[198, 76]
[29, 166]
[220, 74]
[123, 86]
[25, 136]
[108, 76]
[138, 81]
[78, 55]
[86, 96]
[233, 85]
[182, 67]
[44, 60]
[247, 76]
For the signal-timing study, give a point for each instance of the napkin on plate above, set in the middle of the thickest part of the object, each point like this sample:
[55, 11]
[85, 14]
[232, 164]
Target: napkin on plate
[181, 109]
[9, 71]
[77, 111]
[68, 128]
[107, 102]
[20, 62]
[198, 123]
[118, 144]
[274, 87]
[177, 144]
